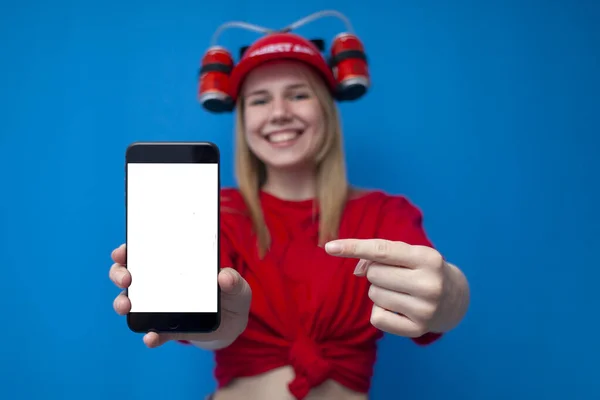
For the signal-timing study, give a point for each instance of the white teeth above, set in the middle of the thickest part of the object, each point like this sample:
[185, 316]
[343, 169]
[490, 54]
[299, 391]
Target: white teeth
[282, 137]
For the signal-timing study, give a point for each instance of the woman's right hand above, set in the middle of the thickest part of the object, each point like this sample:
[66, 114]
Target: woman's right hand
[236, 296]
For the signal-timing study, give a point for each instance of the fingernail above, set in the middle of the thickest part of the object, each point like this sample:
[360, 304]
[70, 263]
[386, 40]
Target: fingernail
[333, 247]
[231, 277]
[361, 266]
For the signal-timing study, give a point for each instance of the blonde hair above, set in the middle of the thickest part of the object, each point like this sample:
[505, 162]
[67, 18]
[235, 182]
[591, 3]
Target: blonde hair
[332, 183]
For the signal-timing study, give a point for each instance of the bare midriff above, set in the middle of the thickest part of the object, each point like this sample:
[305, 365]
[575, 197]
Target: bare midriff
[273, 385]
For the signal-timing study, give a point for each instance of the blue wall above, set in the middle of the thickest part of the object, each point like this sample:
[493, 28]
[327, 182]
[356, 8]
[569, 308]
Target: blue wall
[485, 113]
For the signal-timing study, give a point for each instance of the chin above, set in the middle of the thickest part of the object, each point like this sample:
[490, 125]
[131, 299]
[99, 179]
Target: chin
[287, 162]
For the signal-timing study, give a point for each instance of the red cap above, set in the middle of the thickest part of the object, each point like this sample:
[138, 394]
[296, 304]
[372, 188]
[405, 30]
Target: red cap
[280, 46]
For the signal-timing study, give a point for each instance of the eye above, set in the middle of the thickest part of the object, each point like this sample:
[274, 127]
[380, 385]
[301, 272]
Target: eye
[257, 101]
[300, 96]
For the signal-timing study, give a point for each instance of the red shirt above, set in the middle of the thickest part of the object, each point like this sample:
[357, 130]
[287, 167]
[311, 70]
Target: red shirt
[308, 308]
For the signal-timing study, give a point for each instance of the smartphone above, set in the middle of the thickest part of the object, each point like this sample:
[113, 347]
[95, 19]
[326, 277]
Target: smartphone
[172, 234]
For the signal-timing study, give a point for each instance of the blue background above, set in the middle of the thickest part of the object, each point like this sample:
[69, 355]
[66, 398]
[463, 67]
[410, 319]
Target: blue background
[486, 114]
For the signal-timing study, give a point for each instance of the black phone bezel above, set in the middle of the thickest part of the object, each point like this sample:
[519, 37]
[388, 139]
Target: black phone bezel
[175, 152]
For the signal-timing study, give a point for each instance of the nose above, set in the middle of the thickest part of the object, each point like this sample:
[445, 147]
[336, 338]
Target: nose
[280, 113]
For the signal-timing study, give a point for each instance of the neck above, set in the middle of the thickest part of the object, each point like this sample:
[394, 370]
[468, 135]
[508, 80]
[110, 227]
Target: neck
[291, 185]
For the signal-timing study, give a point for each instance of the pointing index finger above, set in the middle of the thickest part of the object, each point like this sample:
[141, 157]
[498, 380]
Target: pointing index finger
[379, 250]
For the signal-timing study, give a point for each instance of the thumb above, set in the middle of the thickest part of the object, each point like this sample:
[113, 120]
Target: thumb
[235, 291]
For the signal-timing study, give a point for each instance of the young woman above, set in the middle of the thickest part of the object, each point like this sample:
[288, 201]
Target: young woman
[314, 270]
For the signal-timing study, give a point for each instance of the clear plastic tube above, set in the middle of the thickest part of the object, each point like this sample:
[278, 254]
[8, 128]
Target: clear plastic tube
[295, 25]
[237, 24]
[319, 15]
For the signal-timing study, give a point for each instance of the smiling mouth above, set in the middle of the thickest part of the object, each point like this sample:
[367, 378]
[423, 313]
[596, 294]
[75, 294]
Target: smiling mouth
[283, 136]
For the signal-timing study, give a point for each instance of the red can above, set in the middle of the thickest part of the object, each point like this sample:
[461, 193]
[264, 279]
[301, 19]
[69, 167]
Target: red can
[350, 67]
[213, 91]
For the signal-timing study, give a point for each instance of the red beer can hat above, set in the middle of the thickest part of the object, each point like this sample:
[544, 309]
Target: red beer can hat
[280, 46]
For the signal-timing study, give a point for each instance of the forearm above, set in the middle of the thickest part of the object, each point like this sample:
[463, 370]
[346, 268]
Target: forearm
[458, 299]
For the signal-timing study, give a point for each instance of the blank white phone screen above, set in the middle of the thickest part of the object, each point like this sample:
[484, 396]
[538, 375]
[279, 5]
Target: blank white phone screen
[172, 230]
